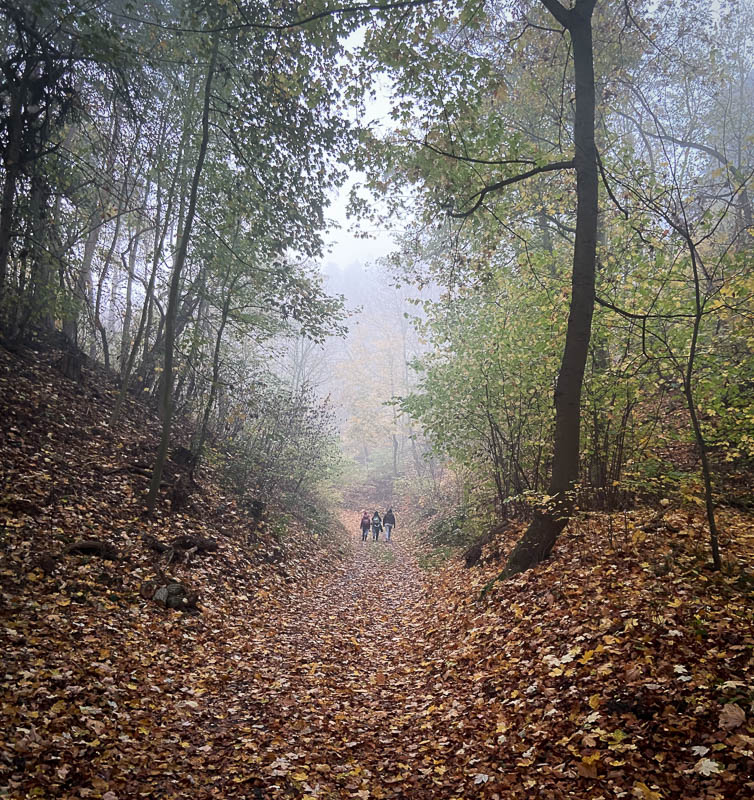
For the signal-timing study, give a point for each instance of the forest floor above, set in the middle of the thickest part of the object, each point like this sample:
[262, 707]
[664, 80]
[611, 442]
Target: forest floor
[334, 668]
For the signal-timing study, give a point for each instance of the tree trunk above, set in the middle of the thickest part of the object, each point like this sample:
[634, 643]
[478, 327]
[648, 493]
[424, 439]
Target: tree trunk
[83, 279]
[688, 391]
[35, 299]
[98, 326]
[215, 374]
[145, 318]
[173, 298]
[187, 376]
[12, 171]
[125, 337]
[549, 521]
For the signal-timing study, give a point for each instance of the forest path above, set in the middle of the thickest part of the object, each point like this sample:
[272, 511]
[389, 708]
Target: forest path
[341, 680]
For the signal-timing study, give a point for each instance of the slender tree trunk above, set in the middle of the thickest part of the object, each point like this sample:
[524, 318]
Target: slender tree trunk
[141, 331]
[123, 200]
[99, 327]
[145, 319]
[35, 298]
[80, 290]
[175, 282]
[12, 171]
[190, 368]
[688, 391]
[215, 374]
[83, 284]
[125, 338]
[153, 354]
[549, 521]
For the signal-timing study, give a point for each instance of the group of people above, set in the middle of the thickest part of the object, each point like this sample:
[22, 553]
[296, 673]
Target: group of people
[377, 524]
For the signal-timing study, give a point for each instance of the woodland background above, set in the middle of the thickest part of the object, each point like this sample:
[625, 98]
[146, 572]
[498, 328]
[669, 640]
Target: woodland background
[165, 215]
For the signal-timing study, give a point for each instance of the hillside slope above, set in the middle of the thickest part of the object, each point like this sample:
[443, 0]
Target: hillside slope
[620, 668]
[85, 639]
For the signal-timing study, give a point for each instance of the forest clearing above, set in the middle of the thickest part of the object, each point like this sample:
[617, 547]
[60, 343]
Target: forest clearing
[377, 399]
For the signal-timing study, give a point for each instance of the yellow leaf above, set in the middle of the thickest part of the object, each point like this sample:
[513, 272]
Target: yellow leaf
[595, 701]
[643, 792]
[587, 767]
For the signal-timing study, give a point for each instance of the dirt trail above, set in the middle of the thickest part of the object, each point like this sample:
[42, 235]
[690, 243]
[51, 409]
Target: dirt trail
[335, 686]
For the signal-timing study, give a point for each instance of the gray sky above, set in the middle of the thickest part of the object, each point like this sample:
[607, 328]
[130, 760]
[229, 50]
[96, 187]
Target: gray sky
[346, 248]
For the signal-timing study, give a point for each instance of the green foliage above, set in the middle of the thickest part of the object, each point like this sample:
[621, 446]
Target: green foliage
[671, 338]
[109, 103]
[279, 446]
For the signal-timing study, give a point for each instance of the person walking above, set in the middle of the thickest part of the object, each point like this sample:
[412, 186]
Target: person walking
[389, 522]
[366, 523]
[376, 526]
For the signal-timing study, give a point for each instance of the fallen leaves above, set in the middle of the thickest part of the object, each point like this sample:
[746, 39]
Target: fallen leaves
[706, 767]
[732, 716]
[643, 792]
[354, 675]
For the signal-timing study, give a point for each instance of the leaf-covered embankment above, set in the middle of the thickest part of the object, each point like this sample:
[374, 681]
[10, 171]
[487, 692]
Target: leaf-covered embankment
[98, 676]
[610, 668]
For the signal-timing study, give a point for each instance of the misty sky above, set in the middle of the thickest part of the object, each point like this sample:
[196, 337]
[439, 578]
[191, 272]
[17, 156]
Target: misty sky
[345, 248]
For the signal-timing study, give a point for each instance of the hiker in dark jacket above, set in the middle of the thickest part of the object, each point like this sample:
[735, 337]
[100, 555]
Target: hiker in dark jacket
[389, 522]
[376, 526]
[366, 523]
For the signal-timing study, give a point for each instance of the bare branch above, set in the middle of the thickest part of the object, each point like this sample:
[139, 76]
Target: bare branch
[494, 187]
[356, 8]
[666, 137]
[469, 159]
[607, 186]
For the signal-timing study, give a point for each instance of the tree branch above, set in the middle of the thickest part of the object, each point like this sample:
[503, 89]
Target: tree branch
[666, 137]
[494, 187]
[642, 317]
[357, 8]
[607, 186]
[559, 11]
[469, 159]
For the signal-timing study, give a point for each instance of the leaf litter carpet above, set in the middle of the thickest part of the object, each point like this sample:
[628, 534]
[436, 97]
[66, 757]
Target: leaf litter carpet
[375, 679]
[317, 688]
[620, 668]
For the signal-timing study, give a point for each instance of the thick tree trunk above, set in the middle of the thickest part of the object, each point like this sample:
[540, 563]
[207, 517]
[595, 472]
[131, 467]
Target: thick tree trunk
[549, 521]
